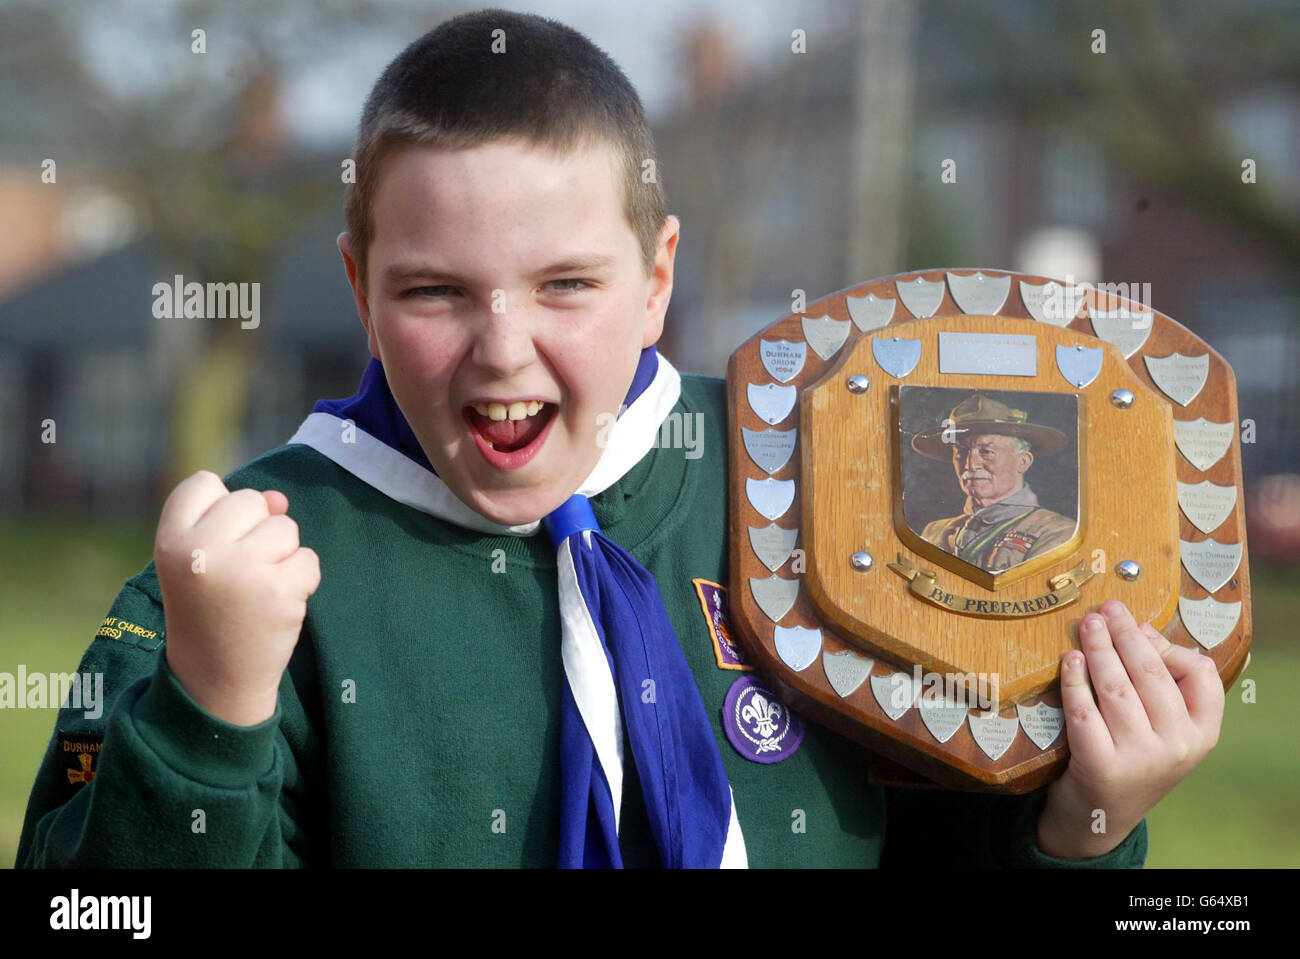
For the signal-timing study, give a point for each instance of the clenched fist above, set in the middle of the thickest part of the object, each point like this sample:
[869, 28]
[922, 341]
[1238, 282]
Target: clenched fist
[235, 585]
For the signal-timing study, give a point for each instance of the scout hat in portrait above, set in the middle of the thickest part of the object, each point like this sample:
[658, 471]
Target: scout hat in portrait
[977, 415]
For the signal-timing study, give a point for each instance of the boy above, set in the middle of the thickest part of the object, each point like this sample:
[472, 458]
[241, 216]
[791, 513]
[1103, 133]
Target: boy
[436, 703]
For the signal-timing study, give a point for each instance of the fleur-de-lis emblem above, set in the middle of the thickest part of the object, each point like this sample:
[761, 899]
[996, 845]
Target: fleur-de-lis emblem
[761, 727]
[762, 715]
[85, 774]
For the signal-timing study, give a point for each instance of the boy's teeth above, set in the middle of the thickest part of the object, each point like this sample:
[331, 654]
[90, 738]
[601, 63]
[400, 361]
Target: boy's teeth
[515, 411]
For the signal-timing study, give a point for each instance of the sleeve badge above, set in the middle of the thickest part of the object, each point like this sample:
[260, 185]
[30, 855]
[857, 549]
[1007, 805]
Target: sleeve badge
[713, 602]
[78, 755]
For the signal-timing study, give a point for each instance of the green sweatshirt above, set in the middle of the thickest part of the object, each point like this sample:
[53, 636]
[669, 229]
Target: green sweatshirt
[419, 719]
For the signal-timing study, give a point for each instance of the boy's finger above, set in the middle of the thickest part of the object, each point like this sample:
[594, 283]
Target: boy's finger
[304, 566]
[1156, 689]
[1200, 686]
[270, 541]
[1157, 638]
[232, 516]
[1085, 728]
[276, 501]
[1117, 699]
[191, 498]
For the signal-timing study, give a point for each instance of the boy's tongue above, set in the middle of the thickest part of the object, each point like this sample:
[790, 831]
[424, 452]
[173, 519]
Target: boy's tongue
[509, 434]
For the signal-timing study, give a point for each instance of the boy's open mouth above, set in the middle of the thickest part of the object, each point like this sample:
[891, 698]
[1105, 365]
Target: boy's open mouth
[508, 434]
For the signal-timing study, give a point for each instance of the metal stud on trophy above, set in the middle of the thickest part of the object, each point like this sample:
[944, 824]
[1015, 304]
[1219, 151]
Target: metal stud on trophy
[961, 479]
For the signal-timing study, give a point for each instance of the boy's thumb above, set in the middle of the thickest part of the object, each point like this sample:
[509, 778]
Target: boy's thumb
[276, 502]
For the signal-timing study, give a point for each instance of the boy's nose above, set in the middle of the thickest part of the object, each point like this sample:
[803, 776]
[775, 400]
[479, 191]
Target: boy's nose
[504, 344]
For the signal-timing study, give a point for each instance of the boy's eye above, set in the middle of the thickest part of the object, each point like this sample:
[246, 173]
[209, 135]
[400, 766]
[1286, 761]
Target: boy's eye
[568, 285]
[430, 291]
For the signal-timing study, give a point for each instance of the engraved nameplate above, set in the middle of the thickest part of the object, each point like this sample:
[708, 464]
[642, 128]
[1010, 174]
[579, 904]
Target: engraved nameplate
[1005, 354]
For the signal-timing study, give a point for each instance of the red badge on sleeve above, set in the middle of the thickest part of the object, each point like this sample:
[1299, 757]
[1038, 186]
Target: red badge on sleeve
[78, 755]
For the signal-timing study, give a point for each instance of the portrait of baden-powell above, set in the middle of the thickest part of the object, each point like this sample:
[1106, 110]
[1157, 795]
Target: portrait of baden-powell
[992, 448]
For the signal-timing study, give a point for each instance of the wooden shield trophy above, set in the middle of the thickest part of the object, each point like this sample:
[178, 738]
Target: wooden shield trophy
[935, 475]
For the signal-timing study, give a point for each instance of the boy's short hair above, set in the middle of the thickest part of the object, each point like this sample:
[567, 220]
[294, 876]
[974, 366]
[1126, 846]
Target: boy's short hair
[552, 86]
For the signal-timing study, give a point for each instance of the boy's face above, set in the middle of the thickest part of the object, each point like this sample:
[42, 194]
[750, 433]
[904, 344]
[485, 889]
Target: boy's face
[504, 275]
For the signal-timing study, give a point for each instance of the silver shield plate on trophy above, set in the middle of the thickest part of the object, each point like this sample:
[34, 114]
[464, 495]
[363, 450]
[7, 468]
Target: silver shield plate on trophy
[870, 312]
[775, 596]
[942, 717]
[846, 671]
[769, 449]
[772, 544]
[1079, 364]
[770, 402]
[1126, 329]
[993, 733]
[1206, 504]
[1209, 621]
[978, 294]
[1179, 377]
[895, 693]
[1042, 723]
[797, 646]
[1210, 562]
[896, 356]
[825, 335]
[771, 497]
[783, 359]
[1052, 303]
[921, 296]
[1202, 442]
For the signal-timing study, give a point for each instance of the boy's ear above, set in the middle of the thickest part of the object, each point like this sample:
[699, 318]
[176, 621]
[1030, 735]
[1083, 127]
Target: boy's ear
[355, 280]
[661, 280]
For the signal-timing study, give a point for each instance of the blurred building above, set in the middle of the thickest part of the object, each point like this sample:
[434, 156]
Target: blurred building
[814, 171]
[83, 350]
[89, 377]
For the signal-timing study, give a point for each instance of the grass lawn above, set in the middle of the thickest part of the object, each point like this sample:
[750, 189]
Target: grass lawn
[1239, 808]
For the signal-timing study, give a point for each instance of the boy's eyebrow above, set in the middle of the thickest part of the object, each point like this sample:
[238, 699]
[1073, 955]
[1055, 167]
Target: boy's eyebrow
[400, 272]
[576, 263]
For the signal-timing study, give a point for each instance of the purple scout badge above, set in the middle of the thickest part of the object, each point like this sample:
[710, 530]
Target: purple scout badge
[713, 600]
[760, 726]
